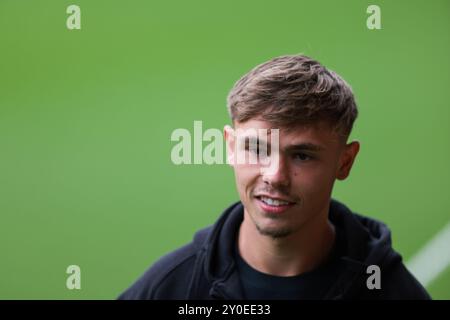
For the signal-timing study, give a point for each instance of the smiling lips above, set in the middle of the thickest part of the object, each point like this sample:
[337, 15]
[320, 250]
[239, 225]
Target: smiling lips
[274, 205]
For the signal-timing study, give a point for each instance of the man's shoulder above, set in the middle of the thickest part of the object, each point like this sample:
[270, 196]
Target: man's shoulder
[400, 284]
[171, 273]
[369, 243]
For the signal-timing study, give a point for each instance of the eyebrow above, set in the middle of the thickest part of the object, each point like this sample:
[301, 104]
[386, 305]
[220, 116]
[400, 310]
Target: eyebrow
[305, 146]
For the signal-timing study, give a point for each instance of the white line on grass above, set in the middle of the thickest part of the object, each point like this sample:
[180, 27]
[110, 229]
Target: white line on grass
[432, 259]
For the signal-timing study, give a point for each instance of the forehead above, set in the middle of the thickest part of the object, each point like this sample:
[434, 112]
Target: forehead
[320, 133]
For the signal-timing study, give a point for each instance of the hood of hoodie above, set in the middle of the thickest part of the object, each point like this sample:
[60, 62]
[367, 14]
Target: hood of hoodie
[368, 242]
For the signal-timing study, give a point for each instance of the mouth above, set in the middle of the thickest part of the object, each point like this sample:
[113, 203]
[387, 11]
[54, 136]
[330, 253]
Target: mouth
[273, 205]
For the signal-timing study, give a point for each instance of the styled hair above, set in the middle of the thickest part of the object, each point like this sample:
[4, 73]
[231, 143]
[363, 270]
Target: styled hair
[293, 90]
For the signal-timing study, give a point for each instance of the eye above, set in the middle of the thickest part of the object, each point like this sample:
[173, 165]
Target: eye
[302, 156]
[257, 148]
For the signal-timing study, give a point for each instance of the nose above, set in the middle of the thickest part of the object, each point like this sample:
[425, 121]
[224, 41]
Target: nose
[280, 176]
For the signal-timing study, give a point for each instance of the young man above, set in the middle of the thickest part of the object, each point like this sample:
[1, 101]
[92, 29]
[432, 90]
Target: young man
[286, 238]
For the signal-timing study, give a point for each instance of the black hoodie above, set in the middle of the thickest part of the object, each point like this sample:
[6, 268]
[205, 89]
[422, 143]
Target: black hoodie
[205, 268]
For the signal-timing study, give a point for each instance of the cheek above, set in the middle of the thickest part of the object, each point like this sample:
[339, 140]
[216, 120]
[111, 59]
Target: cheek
[313, 180]
[246, 177]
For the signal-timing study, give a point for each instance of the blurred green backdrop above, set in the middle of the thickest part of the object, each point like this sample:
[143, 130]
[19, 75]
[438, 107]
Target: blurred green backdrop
[86, 117]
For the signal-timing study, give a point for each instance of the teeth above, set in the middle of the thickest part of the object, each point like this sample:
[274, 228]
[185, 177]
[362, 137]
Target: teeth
[273, 202]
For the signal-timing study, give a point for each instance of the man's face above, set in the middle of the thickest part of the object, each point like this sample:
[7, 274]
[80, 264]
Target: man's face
[310, 158]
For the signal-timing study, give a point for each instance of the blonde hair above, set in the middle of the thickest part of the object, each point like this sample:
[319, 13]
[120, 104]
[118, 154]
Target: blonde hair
[293, 90]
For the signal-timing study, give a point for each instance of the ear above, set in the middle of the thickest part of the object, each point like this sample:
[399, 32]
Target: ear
[347, 159]
[228, 133]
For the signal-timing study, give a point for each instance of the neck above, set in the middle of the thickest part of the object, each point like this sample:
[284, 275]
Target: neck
[299, 252]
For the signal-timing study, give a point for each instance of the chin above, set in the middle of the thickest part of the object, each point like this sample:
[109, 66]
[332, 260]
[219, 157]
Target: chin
[274, 232]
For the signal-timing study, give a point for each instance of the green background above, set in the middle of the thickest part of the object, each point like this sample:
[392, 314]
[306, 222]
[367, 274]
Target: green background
[86, 117]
